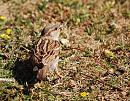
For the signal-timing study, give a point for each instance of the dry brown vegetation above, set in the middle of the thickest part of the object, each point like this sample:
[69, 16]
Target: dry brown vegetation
[96, 60]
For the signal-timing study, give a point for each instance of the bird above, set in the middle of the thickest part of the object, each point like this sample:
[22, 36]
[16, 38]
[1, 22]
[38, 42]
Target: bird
[46, 53]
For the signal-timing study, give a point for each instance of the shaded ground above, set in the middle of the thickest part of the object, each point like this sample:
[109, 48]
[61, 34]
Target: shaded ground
[23, 72]
[96, 62]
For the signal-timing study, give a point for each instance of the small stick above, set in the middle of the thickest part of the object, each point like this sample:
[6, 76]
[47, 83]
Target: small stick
[7, 80]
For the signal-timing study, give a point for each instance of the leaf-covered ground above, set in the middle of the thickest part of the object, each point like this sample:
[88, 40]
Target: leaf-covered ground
[95, 54]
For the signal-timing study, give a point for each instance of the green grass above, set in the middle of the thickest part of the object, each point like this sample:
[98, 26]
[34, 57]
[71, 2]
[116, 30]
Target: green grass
[91, 26]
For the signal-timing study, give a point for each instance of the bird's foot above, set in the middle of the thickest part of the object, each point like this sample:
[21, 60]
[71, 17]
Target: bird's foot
[58, 74]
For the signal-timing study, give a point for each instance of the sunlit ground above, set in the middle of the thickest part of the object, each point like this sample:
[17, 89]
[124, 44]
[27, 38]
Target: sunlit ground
[95, 54]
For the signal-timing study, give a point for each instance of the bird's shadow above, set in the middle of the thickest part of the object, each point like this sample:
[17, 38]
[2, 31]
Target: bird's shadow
[23, 73]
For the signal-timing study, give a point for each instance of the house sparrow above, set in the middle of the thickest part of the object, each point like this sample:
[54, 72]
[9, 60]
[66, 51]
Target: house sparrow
[46, 53]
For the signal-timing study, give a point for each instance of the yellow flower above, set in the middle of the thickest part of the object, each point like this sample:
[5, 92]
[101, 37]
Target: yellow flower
[109, 54]
[4, 36]
[8, 31]
[83, 94]
[2, 18]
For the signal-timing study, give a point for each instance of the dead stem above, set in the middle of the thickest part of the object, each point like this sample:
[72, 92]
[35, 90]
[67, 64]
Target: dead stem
[7, 80]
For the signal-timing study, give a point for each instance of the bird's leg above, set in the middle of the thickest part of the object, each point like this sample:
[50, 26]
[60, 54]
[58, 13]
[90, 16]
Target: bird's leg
[57, 81]
[58, 73]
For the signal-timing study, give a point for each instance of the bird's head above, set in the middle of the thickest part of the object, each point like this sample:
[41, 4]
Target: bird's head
[52, 30]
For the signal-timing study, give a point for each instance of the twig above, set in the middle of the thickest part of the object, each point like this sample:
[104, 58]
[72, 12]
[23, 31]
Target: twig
[7, 80]
[57, 84]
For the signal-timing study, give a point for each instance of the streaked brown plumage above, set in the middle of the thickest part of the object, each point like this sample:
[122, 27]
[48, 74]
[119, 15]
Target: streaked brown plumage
[46, 53]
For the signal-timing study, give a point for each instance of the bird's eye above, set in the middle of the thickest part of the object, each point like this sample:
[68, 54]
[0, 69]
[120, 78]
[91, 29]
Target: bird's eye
[56, 28]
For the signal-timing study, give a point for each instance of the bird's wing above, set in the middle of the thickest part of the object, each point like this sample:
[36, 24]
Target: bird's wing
[47, 50]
